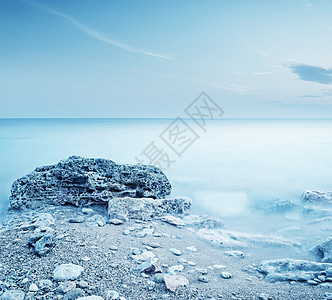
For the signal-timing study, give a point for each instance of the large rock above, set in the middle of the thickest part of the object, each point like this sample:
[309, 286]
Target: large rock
[174, 281]
[146, 208]
[291, 269]
[12, 295]
[317, 197]
[323, 251]
[82, 181]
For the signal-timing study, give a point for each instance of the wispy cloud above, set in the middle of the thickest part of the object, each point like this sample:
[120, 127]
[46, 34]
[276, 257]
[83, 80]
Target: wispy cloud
[324, 93]
[95, 33]
[312, 73]
[241, 89]
[253, 73]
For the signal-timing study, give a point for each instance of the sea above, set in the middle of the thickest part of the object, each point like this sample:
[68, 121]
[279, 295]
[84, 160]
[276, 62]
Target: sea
[226, 167]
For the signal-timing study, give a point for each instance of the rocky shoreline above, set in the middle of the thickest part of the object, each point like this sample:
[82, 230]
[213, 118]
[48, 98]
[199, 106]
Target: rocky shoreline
[92, 229]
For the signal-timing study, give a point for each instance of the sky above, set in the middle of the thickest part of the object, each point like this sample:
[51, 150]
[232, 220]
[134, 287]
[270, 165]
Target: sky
[151, 59]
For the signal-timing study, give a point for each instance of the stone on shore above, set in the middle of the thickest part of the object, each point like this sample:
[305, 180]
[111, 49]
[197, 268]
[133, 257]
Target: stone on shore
[67, 272]
[12, 295]
[203, 222]
[83, 181]
[174, 281]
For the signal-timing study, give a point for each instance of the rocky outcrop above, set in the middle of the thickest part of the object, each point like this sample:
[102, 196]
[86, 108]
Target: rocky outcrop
[146, 208]
[317, 197]
[323, 251]
[83, 181]
[292, 269]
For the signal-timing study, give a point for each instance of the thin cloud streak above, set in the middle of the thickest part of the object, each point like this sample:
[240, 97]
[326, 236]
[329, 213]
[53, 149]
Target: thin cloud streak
[96, 34]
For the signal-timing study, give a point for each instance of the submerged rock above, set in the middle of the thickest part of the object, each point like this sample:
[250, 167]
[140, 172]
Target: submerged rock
[83, 181]
[146, 208]
[324, 251]
[317, 197]
[291, 269]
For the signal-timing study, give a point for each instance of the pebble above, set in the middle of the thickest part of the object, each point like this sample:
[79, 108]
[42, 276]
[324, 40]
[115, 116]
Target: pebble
[235, 253]
[203, 279]
[174, 281]
[226, 275]
[115, 221]
[87, 211]
[33, 287]
[218, 267]
[126, 232]
[175, 269]
[202, 271]
[45, 284]
[85, 258]
[66, 287]
[114, 248]
[112, 295]
[83, 284]
[25, 280]
[263, 296]
[191, 263]
[192, 248]
[321, 277]
[79, 219]
[312, 282]
[175, 251]
[173, 220]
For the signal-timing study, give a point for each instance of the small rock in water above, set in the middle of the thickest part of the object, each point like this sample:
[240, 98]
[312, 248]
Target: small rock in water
[67, 272]
[115, 221]
[192, 248]
[226, 275]
[174, 281]
[175, 251]
[112, 295]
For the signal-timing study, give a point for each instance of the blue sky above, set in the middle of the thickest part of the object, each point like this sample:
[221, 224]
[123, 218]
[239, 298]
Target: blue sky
[107, 58]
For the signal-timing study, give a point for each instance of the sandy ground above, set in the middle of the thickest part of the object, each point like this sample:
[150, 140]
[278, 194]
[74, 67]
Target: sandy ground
[106, 255]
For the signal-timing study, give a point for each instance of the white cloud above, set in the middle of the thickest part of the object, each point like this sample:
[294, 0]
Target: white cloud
[96, 34]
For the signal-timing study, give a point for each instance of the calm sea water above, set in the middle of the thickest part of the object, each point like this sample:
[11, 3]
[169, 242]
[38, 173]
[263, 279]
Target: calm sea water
[232, 166]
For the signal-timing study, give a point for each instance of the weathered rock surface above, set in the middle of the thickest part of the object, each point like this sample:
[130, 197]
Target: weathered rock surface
[317, 197]
[323, 251]
[291, 269]
[146, 208]
[82, 181]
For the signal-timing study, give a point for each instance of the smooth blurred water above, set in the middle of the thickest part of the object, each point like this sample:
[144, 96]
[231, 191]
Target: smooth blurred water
[235, 164]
